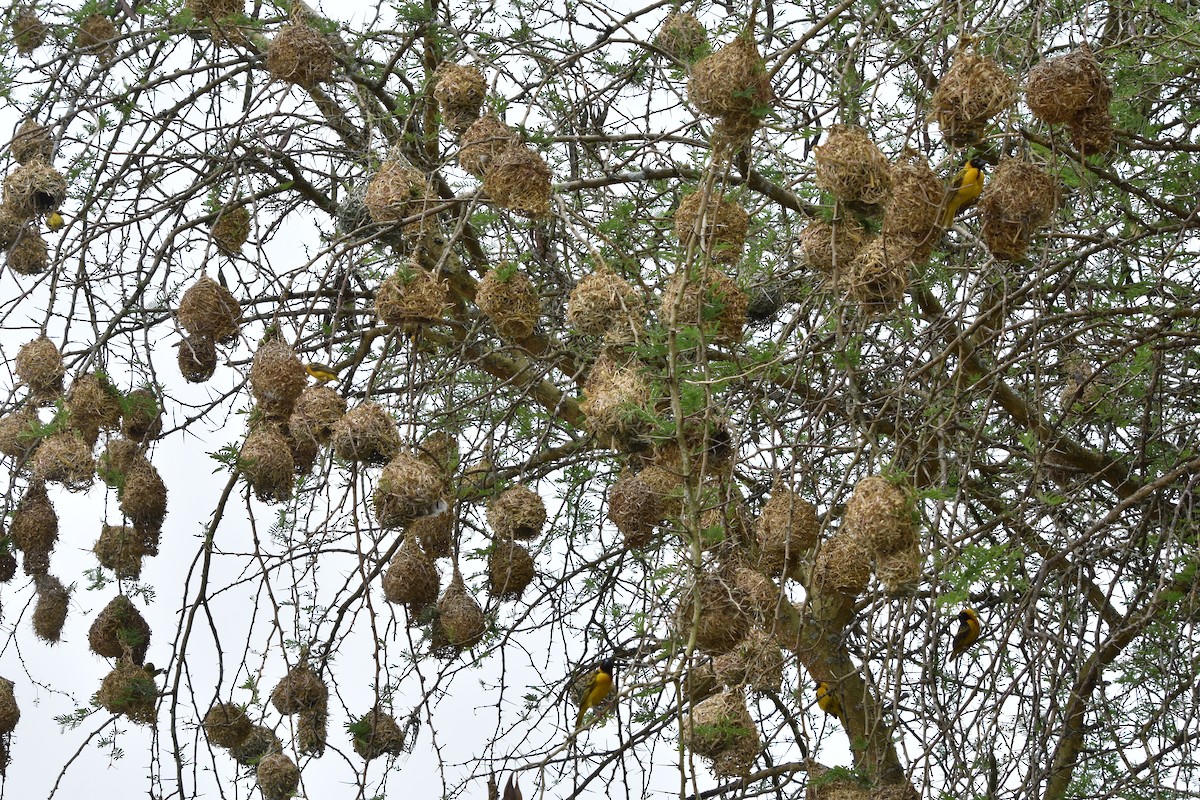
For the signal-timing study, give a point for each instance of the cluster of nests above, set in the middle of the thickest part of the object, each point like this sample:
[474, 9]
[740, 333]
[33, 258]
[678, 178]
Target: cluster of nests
[1072, 89]
[95, 35]
[731, 85]
[210, 315]
[32, 191]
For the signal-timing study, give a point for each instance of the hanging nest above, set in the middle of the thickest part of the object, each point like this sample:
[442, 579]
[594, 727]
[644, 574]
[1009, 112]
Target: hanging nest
[787, 528]
[440, 450]
[756, 662]
[375, 734]
[144, 498]
[12, 228]
[700, 682]
[604, 305]
[197, 358]
[824, 784]
[683, 37]
[34, 529]
[121, 549]
[460, 91]
[141, 415]
[96, 36]
[615, 406]
[724, 521]
[209, 310]
[277, 378]
[637, 504]
[412, 578]
[900, 571]
[261, 742]
[10, 713]
[64, 458]
[19, 433]
[130, 690]
[266, 461]
[226, 725]
[722, 730]
[509, 300]
[460, 619]
[118, 458]
[316, 413]
[231, 229]
[763, 598]
[913, 213]
[852, 168]
[878, 277]
[435, 532]
[300, 690]
[32, 142]
[732, 85]
[519, 179]
[710, 447]
[278, 777]
[483, 142]
[40, 366]
[843, 566]
[120, 631]
[725, 615]
[93, 404]
[1060, 89]
[304, 451]
[28, 32]
[397, 192]
[1016, 204]
[517, 513]
[312, 731]
[407, 488]
[301, 55]
[879, 514]
[8, 565]
[973, 91]
[215, 9]
[510, 569]
[410, 297]
[709, 298]
[718, 225]
[367, 434]
[1091, 132]
[29, 254]
[34, 188]
[50, 613]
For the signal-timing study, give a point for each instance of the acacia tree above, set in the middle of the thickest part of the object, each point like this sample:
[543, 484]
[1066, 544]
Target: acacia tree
[645, 335]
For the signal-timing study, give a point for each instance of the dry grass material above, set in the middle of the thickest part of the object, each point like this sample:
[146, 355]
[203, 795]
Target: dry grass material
[28, 254]
[34, 529]
[10, 712]
[96, 36]
[120, 549]
[636, 508]
[231, 229]
[787, 528]
[435, 532]
[843, 566]
[411, 579]
[93, 404]
[411, 297]
[1091, 131]
[130, 690]
[709, 298]
[40, 366]
[725, 614]
[8, 565]
[28, 31]
[722, 730]
[261, 742]
[408, 487]
[299, 691]
[756, 662]
[519, 179]
[900, 571]
[208, 309]
[615, 405]
[823, 786]
[301, 55]
[718, 225]
[1016, 204]
[852, 168]
[120, 631]
[879, 514]
[278, 776]
[517, 513]
[267, 463]
[460, 91]
[510, 569]
[312, 730]
[64, 458]
[508, 298]
[215, 9]
[878, 277]
[1060, 89]
[460, 619]
[226, 725]
[19, 433]
[710, 447]
[118, 458]
[831, 247]
[912, 215]
[376, 733]
[682, 37]
[482, 142]
[32, 142]
[367, 434]
[732, 85]
[605, 305]
[144, 498]
[141, 415]
[317, 411]
[973, 91]
[50, 612]
[197, 358]
[12, 228]
[398, 192]
[277, 378]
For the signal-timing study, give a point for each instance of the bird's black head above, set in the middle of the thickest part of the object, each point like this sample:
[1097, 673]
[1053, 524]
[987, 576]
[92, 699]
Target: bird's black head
[607, 665]
[966, 614]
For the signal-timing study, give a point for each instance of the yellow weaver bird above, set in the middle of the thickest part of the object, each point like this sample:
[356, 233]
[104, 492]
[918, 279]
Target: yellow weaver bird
[322, 372]
[827, 701]
[964, 191]
[598, 685]
[55, 221]
[967, 633]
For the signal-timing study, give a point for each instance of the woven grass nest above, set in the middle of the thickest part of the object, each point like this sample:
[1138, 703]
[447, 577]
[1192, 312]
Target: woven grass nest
[830, 247]
[825, 786]
[709, 443]
[615, 405]
[299, 691]
[19, 433]
[32, 142]
[398, 192]
[376, 733]
[312, 730]
[519, 179]
[261, 742]
[278, 776]
[28, 31]
[719, 225]
[461, 623]
[1016, 203]
[1059, 89]
[265, 459]
[28, 254]
[1092, 131]
[64, 458]
[852, 168]
[120, 549]
[33, 189]
[141, 415]
[722, 730]
[640, 502]
[912, 215]
[517, 513]
[510, 569]
[120, 631]
[787, 528]
[763, 597]
[756, 662]
[709, 298]
[878, 276]
[682, 37]
[900, 570]
[317, 411]
[8, 565]
[460, 91]
[441, 450]
[973, 91]
[508, 298]
[879, 514]
[93, 404]
[277, 378]
[412, 578]
[227, 725]
[732, 85]
[231, 229]
[96, 35]
[724, 521]
[215, 9]
[34, 529]
[12, 228]
[301, 55]
[10, 713]
[208, 309]
[843, 566]
[411, 297]
[605, 305]
[408, 487]
[50, 612]
[129, 690]
[435, 532]
[197, 358]
[482, 142]
[144, 497]
[118, 458]
[725, 614]
[367, 434]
